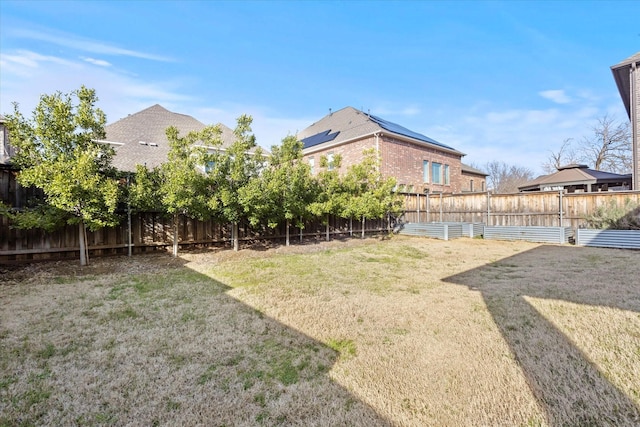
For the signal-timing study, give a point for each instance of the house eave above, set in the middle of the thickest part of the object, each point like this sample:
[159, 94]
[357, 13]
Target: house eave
[328, 145]
[332, 144]
[621, 77]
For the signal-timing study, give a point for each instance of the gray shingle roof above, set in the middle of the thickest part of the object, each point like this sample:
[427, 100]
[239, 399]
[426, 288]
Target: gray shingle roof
[149, 126]
[472, 170]
[573, 175]
[352, 124]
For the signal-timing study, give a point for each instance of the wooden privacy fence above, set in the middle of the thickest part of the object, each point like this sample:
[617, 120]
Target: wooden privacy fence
[550, 209]
[153, 231]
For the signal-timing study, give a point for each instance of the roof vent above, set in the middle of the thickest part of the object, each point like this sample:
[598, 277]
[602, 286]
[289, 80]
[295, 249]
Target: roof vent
[142, 143]
[153, 144]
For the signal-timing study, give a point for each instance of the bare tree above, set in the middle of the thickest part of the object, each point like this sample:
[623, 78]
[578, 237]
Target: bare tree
[505, 178]
[609, 147]
[564, 156]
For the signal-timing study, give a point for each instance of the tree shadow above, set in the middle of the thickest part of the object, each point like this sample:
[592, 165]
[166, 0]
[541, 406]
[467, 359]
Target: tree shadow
[150, 341]
[569, 386]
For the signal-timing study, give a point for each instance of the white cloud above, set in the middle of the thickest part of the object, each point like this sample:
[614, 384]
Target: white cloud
[557, 96]
[99, 62]
[83, 44]
[519, 137]
[27, 75]
[24, 62]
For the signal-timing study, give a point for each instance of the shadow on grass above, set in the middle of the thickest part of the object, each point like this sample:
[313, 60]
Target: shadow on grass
[568, 385]
[149, 341]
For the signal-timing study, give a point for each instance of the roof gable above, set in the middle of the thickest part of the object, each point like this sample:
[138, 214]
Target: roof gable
[140, 138]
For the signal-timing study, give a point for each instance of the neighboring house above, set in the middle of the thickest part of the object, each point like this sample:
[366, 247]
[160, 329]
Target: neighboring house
[627, 77]
[473, 180]
[578, 179]
[419, 163]
[141, 138]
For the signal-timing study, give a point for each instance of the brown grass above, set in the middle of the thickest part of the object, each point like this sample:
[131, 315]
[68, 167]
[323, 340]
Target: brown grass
[406, 331]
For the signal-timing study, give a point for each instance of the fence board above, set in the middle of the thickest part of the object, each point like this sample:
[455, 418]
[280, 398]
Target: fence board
[520, 209]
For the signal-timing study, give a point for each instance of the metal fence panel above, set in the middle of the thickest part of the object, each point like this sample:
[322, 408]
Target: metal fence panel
[435, 230]
[625, 239]
[469, 229]
[532, 234]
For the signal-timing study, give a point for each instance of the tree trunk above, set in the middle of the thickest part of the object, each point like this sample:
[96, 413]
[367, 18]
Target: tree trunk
[300, 229]
[236, 241]
[351, 227]
[82, 237]
[362, 237]
[327, 227]
[287, 233]
[175, 235]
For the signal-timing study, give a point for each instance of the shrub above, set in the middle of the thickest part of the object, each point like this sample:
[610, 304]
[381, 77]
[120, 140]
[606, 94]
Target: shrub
[612, 216]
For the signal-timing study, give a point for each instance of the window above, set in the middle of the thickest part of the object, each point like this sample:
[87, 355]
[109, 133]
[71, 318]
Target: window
[330, 161]
[425, 171]
[436, 173]
[312, 164]
[209, 166]
[446, 175]
[471, 185]
[482, 186]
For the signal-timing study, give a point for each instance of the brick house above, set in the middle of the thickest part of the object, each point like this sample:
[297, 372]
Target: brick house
[418, 163]
[627, 77]
[473, 180]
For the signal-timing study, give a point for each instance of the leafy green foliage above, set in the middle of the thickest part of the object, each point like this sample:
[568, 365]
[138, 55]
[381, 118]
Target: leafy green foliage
[284, 189]
[42, 216]
[232, 170]
[333, 196]
[371, 196]
[144, 190]
[613, 216]
[183, 187]
[57, 151]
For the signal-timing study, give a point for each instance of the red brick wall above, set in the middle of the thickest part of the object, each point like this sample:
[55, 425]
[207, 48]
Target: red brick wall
[351, 153]
[400, 159]
[403, 160]
[479, 183]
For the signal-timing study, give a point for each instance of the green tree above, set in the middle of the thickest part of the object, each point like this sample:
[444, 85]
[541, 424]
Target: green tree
[370, 195]
[231, 170]
[183, 186]
[333, 196]
[284, 189]
[58, 153]
[144, 193]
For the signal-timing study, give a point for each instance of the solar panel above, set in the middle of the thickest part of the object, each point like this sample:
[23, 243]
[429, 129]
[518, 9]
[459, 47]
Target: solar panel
[400, 130]
[319, 138]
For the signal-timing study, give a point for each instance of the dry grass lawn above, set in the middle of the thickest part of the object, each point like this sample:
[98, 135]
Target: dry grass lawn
[405, 331]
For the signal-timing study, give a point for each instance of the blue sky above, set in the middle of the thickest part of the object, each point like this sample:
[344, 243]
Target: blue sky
[502, 81]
